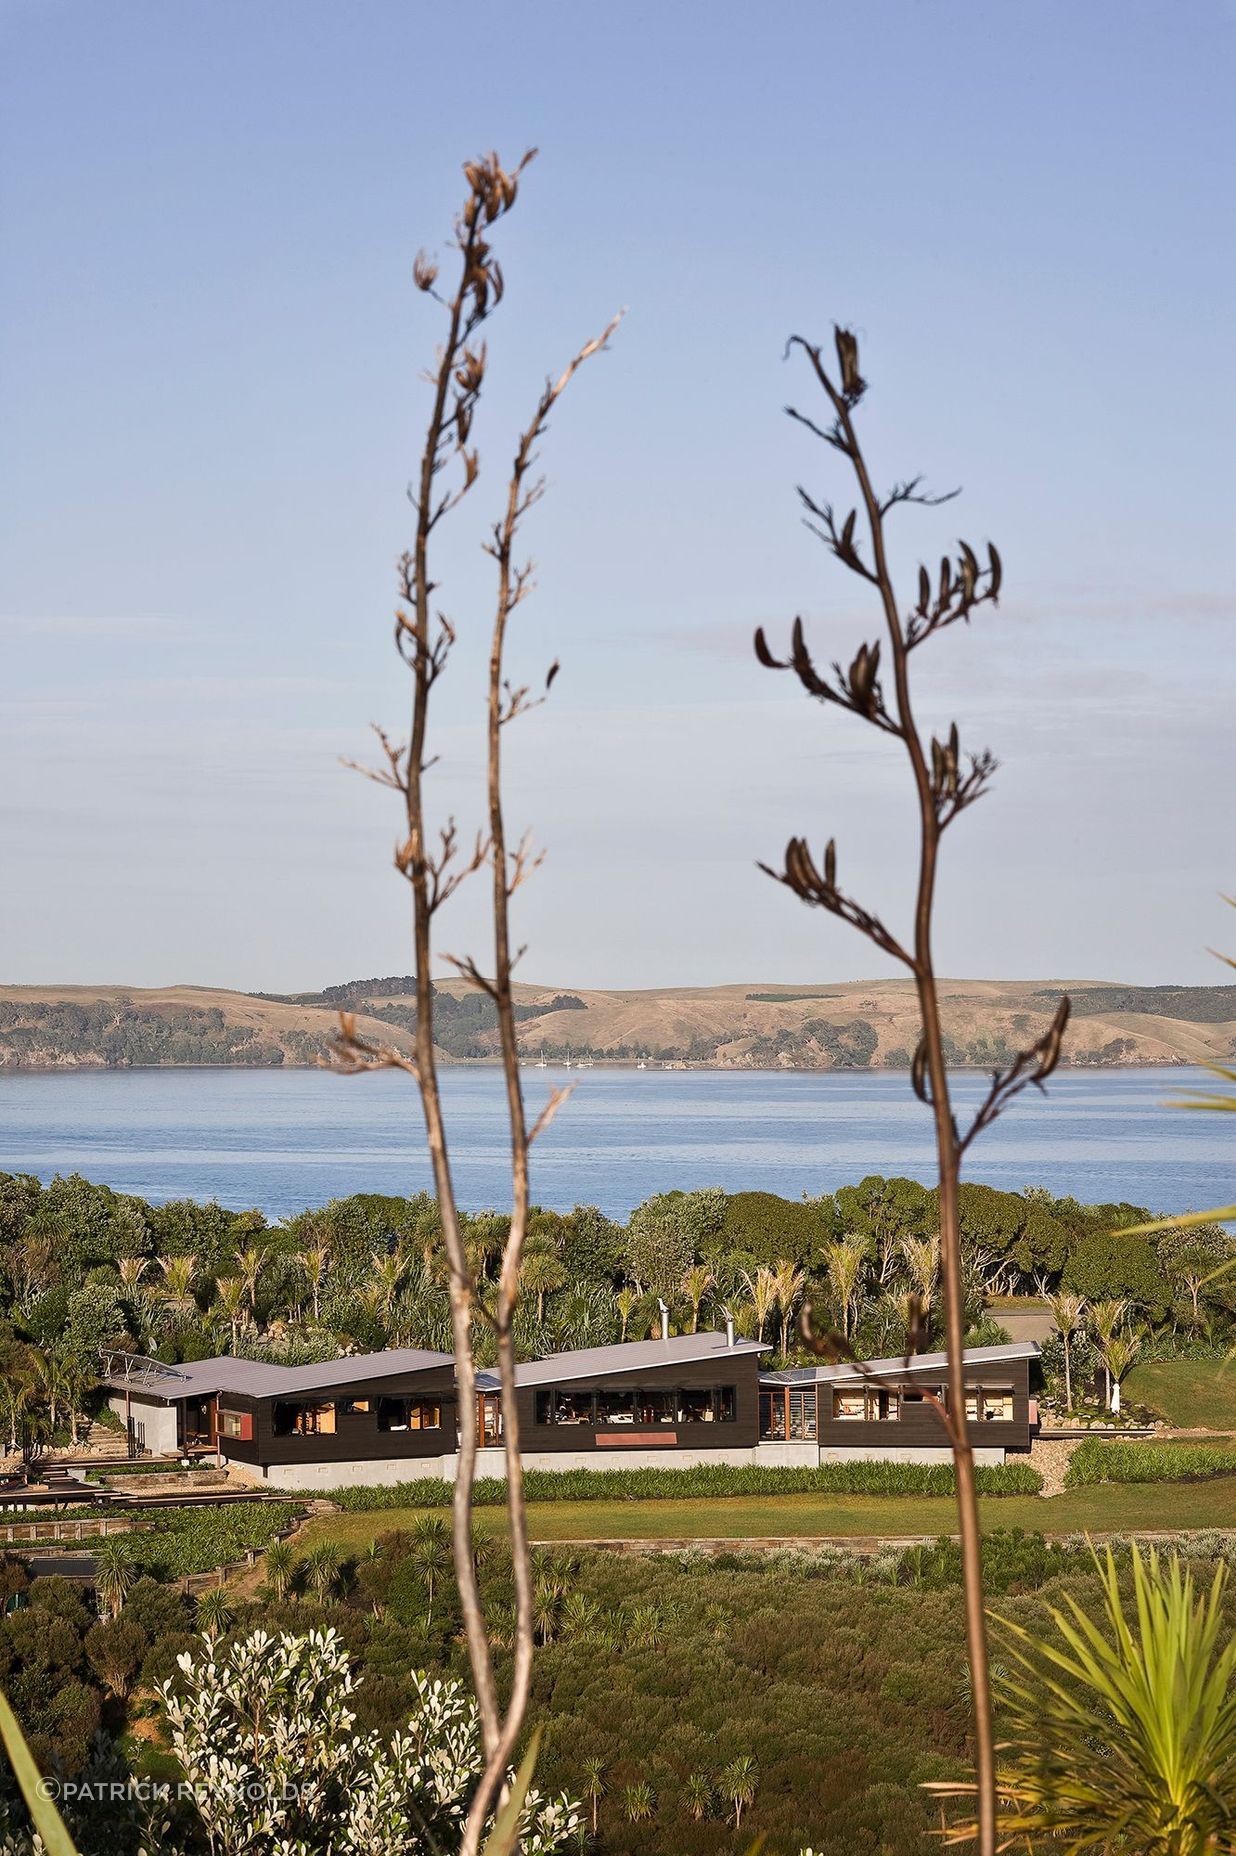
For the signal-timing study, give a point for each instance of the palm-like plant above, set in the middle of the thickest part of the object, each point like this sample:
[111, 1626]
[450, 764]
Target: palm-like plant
[314, 1261]
[639, 1802]
[844, 1262]
[1119, 1352]
[698, 1794]
[626, 1302]
[251, 1263]
[179, 1277]
[594, 1788]
[790, 1281]
[230, 1303]
[1156, 1692]
[1067, 1314]
[280, 1569]
[541, 1275]
[322, 1569]
[737, 1786]
[115, 1575]
[922, 1258]
[1105, 1318]
[762, 1289]
[698, 1280]
[214, 1611]
[431, 1551]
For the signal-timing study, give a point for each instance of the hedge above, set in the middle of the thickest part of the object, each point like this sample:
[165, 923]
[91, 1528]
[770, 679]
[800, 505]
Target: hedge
[1102, 1459]
[707, 1480]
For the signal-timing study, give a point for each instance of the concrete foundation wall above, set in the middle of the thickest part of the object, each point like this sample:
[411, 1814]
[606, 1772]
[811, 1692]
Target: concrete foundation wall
[373, 1475]
[384, 1473]
[159, 1422]
[922, 1453]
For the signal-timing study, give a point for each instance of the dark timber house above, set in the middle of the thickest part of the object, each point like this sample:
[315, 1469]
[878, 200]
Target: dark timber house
[688, 1398]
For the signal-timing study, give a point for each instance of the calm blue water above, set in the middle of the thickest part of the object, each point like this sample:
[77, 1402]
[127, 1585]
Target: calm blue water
[286, 1139]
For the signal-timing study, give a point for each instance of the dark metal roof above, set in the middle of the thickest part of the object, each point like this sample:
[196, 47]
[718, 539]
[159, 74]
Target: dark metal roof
[631, 1356]
[266, 1379]
[900, 1366]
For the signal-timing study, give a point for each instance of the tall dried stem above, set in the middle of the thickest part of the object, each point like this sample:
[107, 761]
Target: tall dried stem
[434, 872]
[943, 788]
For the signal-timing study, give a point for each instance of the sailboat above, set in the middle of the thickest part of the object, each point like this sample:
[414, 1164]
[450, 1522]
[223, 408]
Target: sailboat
[540, 1062]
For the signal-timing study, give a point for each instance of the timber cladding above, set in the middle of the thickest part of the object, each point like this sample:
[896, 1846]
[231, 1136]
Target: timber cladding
[998, 1386]
[365, 1422]
[734, 1377]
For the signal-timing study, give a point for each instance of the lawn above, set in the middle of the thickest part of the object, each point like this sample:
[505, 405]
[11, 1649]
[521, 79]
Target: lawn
[1191, 1394]
[1111, 1508]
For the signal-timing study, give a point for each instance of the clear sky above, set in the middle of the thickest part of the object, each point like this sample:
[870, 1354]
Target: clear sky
[211, 406]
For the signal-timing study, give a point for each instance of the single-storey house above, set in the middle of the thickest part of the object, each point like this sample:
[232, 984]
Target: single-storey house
[680, 1399]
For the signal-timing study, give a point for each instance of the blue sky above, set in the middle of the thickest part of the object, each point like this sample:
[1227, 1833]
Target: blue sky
[211, 347]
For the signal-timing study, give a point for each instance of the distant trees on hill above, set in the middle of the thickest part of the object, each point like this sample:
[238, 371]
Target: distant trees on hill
[118, 1034]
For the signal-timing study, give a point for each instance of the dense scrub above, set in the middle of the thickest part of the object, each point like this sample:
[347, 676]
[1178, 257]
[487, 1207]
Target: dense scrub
[709, 1481]
[842, 1677]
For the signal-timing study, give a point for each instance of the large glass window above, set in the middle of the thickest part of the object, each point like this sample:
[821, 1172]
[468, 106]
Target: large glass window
[866, 1404]
[309, 1420]
[615, 1407]
[573, 1408]
[657, 1407]
[989, 1404]
[409, 1414]
[352, 1407]
[727, 1404]
[695, 1406]
[772, 1416]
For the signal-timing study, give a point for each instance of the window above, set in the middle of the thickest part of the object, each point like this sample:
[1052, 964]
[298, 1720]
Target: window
[314, 1420]
[489, 1417]
[695, 1406]
[866, 1404]
[351, 1407]
[237, 1424]
[657, 1407]
[919, 1395]
[615, 1407]
[802, 1410]
[409, 1414]
[557, 1407]
[727, 1404]
[772, 1416]
[989, 1404]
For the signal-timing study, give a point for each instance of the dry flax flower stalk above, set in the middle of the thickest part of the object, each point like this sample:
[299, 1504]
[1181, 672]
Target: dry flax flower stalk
[434, 866]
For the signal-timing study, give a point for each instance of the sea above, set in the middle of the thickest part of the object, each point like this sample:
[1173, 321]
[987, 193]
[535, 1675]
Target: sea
[284, 1140]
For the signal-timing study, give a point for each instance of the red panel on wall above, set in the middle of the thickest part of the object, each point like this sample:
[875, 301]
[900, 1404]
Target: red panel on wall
[642, 1438]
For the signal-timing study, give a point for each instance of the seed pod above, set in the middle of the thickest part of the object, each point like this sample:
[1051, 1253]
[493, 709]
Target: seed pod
[996, 571]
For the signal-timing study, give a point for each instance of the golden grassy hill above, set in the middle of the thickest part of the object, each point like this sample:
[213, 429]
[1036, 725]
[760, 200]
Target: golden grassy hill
[862, 1024]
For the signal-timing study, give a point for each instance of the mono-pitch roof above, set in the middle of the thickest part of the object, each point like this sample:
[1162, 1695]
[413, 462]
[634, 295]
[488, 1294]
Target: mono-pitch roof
[266, 1379]
[630, 1356]
[891, 1369]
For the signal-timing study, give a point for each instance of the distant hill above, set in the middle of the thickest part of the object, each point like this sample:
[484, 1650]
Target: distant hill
[858, 1025]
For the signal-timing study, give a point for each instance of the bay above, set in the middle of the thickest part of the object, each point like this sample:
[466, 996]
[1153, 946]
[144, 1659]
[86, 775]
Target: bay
[286, 1139]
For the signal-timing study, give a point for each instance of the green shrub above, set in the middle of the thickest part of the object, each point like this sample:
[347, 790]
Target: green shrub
[708, 1480]
[1102, 1459]
[179, 1541]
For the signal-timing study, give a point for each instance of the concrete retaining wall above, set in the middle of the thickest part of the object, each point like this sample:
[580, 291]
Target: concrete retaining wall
[389, 1470]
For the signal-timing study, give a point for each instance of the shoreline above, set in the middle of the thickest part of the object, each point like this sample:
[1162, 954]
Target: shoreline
[677, 1067]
